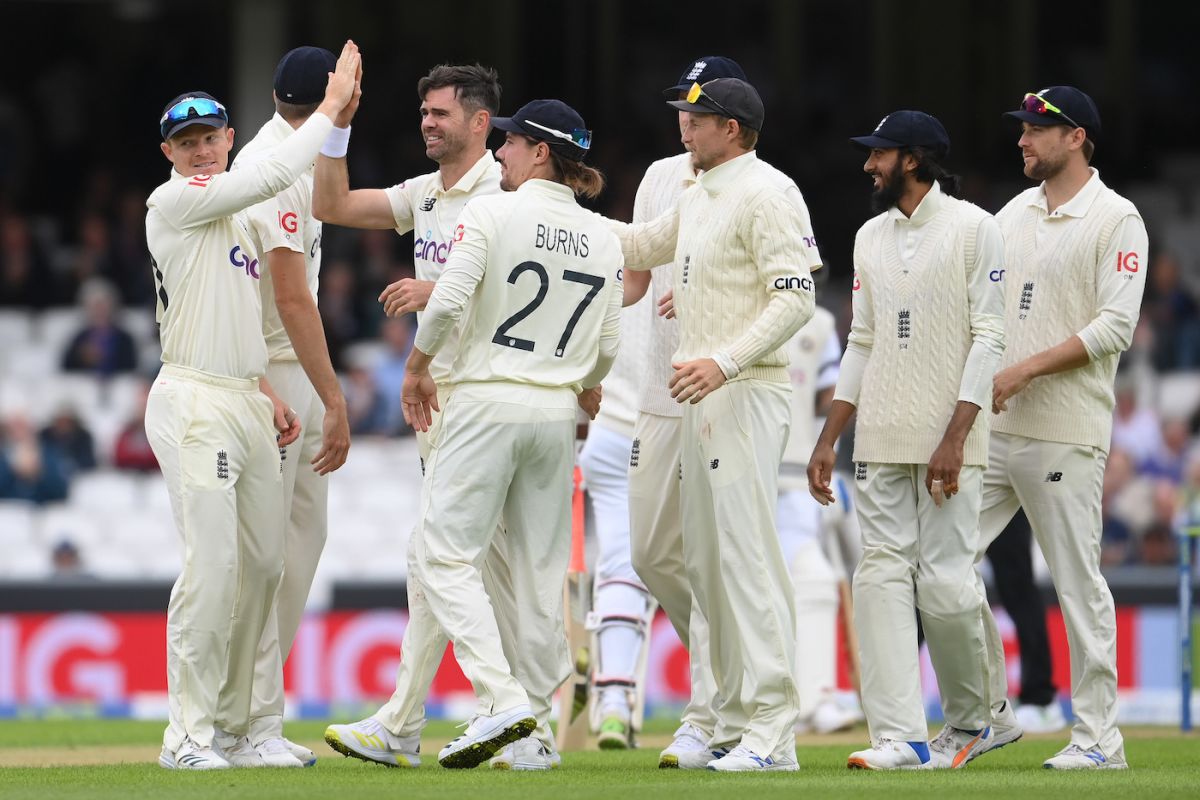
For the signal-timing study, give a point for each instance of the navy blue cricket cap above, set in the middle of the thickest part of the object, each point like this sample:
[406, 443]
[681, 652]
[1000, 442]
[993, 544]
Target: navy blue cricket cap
[553, 122]
[907, 129]
[729, 97]
[192, 108]
[303, 74]
[1059, 105]
[703, 70]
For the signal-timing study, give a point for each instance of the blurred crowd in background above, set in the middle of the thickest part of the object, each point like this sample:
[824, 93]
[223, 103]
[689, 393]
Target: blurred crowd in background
[79, 344]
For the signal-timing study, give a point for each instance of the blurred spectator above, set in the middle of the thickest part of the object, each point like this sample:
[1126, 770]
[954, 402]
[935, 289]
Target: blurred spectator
[1173, 315]
[93, 257]
[363, 406]
[66, 563]
[339, 311]
[73, 441]
[102, 346]
[29, 470]
[132, 449]
[1157, 544]
[388, 375]
[131, 257]
[1116, 539]
[26, 279]
[1168, 462]
[1135, 430]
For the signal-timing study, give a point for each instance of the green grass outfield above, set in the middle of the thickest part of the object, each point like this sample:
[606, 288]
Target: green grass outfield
[117, 759]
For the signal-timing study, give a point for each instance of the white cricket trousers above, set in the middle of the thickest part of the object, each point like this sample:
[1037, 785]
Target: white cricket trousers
[501, 449]
[214, 439]
[656, 548]
[306, 504]
[1060, 486]
[816, 595]
[917, 556]
[733, 442]
[425, 642]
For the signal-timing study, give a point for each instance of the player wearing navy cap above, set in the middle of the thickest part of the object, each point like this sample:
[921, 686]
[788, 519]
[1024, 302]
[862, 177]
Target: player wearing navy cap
[1075, 256]
[299, 368]
[924, 343]
[208, 422]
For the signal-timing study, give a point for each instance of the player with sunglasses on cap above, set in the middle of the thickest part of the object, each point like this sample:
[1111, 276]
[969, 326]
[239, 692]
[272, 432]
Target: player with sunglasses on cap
[535, 280]
[743, 249]
[924, 343]
[211, 417]
[299, 369]
[1075, 256]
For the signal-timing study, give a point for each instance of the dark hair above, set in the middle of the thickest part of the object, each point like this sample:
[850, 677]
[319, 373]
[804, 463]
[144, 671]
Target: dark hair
[476, 86]
[295, 113]
[929, 170]
[583, 180]
[1089, 149]
[747, 137]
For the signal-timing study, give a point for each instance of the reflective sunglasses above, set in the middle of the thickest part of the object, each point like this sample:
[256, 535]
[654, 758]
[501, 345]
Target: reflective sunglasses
[1036, 104]
[190, 108]
[578, 136]
[697, 91]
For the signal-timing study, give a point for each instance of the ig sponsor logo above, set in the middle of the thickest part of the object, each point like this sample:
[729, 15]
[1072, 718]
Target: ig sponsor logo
[241, 259]
[287, 221]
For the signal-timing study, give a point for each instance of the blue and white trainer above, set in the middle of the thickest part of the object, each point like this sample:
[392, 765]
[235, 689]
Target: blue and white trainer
[690, 750]
[743, 759]
[1075, 757]
[890, 754]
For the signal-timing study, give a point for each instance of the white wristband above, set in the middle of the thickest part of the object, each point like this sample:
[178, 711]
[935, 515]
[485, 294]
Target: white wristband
[728, 366]
[336, 143]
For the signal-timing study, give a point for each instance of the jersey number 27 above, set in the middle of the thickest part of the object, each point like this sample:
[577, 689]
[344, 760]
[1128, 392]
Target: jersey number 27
[594, 282]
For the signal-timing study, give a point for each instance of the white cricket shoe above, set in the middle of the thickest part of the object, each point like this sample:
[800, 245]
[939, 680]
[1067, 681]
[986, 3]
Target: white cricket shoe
[888, 754]
[954, 747]
[237, 750]
[302, 754]
[1005, 729]
[189, 756]
[690, 750]
[368, 740]
[530, 753]
[743, 759]
[1041, 719]
[829, 716]
[487, 735]
[1075, 757]
[275, 753]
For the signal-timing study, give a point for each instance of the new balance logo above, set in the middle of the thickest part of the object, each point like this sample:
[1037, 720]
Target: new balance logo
[222, 465]
[1053, 477]
[860, 470]
[427, 203]
[634, 453]
[716, 462]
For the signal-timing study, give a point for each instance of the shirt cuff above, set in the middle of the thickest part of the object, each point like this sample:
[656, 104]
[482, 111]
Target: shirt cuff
[727, 364]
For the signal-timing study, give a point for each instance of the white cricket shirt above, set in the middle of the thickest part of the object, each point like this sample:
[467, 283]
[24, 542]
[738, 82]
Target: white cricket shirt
[204, 259]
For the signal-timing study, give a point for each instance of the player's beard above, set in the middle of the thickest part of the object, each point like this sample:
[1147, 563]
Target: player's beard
[891, 186]
[447, 150]
[1044, 168]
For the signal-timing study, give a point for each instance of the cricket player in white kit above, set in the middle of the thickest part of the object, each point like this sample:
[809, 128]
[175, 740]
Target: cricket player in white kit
[457, 104]
[925, 340]
[211, 428]
[813, 356]
[743, 252]
[300, 370]
[1075, 252]
[655, 515]
[544, 326]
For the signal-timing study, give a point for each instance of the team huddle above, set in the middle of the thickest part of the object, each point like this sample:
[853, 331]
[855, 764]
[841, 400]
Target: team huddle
[979, 366]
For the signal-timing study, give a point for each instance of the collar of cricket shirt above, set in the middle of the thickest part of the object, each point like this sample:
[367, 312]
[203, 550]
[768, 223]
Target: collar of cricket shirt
[716, 179]
[926, 210]
[471, 177]
[1077, 206]
[553, 188]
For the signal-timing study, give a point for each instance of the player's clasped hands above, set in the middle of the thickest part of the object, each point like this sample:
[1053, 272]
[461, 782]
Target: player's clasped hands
[695, 380]
[405, 295]
[418, 399]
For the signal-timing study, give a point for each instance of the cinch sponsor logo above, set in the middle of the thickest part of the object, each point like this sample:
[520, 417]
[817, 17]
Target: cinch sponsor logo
[996, 275]
[238, 258]
[429, 249]
[810, 241]
[796, 282]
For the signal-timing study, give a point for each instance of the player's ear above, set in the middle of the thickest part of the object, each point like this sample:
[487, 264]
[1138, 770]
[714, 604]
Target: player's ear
[229, 135]
[481, 120]
[166, 149]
